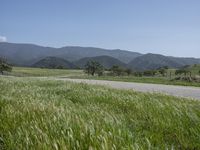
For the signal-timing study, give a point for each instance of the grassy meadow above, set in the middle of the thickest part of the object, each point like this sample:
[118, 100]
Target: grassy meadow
[35, 72]
[152, 80]
[69, 73]
[46, 114]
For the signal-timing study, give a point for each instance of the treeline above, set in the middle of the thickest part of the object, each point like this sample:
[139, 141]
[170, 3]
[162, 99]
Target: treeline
[95, 68]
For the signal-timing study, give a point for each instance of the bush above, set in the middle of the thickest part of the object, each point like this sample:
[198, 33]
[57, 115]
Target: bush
[138, 74]
[4, 66]
[183, 71]
[93, 67]
[149, 73]
[117, 70]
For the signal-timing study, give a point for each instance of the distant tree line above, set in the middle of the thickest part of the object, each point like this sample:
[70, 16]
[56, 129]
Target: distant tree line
[95, 68]
[184, 72]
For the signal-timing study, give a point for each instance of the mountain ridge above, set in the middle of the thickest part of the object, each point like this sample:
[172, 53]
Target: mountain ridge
[153, 61]
[27, 54]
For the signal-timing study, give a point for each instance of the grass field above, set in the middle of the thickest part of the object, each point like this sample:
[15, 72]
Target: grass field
[34, 72]
[153, 80]
[45, 114]
[24, 72]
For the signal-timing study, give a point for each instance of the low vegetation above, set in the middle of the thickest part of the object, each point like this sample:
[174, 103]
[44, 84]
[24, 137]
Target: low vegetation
[45, 114]
[186, 76]
[42, 72]
[4, 66]
[144, 79]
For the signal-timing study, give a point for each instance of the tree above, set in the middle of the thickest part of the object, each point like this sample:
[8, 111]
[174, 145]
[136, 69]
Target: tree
[128, 71]
[162, 71]
[138, 74]
[4, 66]
[94, 67]
[60, 67]
[117, 70]
[149, 73]
[183, 71]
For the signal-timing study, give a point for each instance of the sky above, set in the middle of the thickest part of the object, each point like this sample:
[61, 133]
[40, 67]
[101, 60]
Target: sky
[169, 27]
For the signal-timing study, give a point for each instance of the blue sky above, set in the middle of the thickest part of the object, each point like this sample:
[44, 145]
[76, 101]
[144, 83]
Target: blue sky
[170, 27]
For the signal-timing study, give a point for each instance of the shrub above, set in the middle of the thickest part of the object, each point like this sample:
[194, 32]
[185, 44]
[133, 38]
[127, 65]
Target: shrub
[4, 66]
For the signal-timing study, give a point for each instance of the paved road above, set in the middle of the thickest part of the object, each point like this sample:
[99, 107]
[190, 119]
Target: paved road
[180, 91]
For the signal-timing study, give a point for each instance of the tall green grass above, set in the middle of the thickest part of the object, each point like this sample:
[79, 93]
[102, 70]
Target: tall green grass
[45, 114]
[25, 71]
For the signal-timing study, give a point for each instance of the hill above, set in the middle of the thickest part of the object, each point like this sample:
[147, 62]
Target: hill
[185, 61]
[75, 53]
[27, 54]
[152, 61]
[54, 62]
[106, 61]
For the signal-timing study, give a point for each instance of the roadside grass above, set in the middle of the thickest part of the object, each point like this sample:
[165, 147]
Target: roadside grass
[153, 80]
[46, 114]
[25, 71]
[69, 73]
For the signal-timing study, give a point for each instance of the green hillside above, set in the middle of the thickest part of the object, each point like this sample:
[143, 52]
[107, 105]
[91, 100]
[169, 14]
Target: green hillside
[151, 62]
[106, 61]
[54, 63]
[27, 54]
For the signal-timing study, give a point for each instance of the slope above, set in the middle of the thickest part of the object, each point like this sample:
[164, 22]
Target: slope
[54, 62]
[106, 61]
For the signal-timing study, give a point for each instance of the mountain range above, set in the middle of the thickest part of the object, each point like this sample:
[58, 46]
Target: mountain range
[71, 56]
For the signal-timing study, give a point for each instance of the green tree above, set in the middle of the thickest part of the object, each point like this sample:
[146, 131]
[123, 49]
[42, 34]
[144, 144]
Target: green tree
[117, 70]
[138, 74]
[4, 66]
[183, 71]
[162, 71]
[128, 71]
[149, 73]
[94, 67]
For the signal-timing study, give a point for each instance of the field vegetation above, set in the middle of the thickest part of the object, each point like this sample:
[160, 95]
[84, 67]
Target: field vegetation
[186, 76]
[144, 79]
[167, 76]
[47, 114]
[43, 72]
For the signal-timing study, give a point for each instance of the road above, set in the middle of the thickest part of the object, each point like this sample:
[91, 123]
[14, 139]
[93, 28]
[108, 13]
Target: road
[180, 91]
